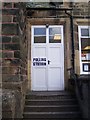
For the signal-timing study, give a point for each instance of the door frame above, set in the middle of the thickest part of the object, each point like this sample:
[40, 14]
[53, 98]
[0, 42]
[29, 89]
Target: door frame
[32, 42]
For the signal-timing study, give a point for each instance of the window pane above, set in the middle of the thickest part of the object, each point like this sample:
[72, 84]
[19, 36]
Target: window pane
[86, 67]
[55, 35]
[39, 31]
[52, 39]
[53, 31]
[85, 47]
[40, 39]
[85, 32]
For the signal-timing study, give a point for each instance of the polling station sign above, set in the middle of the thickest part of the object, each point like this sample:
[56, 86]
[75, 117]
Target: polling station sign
[41, 61]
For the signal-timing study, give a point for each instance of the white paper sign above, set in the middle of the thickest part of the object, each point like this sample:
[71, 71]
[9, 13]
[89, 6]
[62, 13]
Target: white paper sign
[86, 68]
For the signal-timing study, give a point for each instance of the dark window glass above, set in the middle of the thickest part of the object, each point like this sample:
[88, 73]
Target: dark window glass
[52, 39]
[40, 39]
[85, 32]
[85, 49]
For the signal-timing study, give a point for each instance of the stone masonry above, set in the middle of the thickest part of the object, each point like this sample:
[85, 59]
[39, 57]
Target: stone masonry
[14, 72]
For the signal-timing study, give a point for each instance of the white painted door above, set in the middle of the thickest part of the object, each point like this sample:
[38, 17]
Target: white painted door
[47, 58]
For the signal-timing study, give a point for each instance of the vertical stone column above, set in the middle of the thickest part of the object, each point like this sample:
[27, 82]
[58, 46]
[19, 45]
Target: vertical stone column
[14, 56]
[10, 40]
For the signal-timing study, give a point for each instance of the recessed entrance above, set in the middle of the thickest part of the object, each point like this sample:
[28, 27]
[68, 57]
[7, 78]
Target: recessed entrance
[47, 58]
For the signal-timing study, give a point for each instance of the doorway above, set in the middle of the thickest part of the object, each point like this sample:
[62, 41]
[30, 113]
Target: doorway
[47, 58]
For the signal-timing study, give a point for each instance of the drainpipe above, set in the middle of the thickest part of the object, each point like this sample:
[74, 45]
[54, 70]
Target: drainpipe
[72, 39]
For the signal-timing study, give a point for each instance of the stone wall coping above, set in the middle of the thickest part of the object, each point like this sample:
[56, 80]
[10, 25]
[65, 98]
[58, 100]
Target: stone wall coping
[84, 78]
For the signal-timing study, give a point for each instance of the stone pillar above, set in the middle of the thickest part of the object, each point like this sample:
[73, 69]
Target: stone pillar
[10, 41]
[14, 55]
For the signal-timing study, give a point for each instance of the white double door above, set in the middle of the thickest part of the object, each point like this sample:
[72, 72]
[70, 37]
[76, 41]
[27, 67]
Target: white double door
[47, 58]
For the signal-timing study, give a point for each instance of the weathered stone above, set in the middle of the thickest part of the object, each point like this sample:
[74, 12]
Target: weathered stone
[12, 103]
[8, 54]
[7, 114]
[15, 39]
[10, 12]
[76, 12]
[10, 78]
[0, 71]
[15, 61]
[0, 54]
[19, 90]
[11, 46]
[6, 18]
[10, 70]
[9, 29]
[15, 19]
[16, 5]
[8, 104]
[7, 5]
[11, 62]
[0, 39]
[6, 39]
[0, 46]
[22, 64]
[17, 54]
[13, 77]
[23, 71]
[80, 8]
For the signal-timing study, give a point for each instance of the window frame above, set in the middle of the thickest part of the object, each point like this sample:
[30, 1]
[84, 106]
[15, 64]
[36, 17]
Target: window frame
[47, 33]
[32, 36]
[80, 47]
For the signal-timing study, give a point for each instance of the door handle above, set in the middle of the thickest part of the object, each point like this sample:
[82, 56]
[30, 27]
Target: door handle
[49, 62]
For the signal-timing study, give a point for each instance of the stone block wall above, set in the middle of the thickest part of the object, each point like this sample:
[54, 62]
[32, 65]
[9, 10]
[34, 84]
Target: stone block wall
[10, 41]
[14, 59]
[14, 44]
[81, 8]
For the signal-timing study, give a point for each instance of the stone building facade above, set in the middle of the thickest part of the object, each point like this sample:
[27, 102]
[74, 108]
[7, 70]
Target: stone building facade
[18, 22]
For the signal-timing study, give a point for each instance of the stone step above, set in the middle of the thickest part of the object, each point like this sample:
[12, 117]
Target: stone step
[50, 97]
[51, 108]
[51, 105]
[54, 119]
[51, 102]
[49, 93]
[51, 115]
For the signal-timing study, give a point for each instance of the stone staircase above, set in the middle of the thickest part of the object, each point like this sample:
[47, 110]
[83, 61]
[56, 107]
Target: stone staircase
[51, 106]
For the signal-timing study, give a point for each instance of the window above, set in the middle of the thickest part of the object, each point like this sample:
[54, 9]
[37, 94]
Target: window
[84, 32]
[55, 35]
[39, 35]
[52, 34]
[84, 47]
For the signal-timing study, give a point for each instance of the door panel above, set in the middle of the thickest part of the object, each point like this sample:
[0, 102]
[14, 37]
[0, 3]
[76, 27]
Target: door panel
[39, 51]
[39, 68]
[39, 79]
[55, 68]
[55, 79]
[54, 55]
